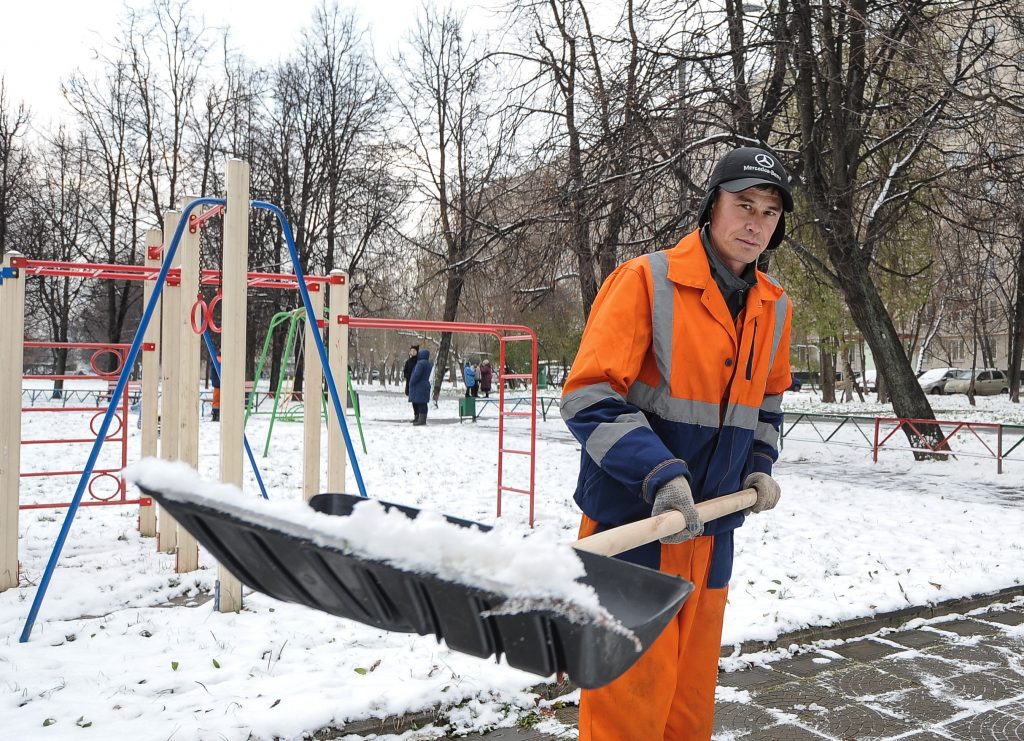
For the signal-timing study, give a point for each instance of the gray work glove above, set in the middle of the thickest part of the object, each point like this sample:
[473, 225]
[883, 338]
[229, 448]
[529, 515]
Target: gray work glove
[768, 491]
[675, 494]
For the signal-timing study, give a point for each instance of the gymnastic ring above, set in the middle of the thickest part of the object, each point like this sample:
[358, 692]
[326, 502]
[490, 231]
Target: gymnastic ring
[214, 327]
[204, 316]
[102, 351]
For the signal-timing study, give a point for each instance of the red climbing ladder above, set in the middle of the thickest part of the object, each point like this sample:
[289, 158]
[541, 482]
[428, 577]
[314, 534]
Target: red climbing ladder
[505, 375]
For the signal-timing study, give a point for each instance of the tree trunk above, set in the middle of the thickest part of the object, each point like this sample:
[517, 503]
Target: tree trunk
[828, 376]
[1016, 328]
[908, 398]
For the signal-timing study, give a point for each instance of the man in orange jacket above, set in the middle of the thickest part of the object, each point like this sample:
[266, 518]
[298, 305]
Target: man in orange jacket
[675, 397]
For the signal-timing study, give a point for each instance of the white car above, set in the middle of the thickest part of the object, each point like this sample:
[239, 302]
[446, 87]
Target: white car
[934, 381]
[987, 382]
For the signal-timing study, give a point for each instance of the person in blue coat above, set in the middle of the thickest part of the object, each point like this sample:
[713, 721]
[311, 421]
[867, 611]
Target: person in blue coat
[419, 386]
[469, 376]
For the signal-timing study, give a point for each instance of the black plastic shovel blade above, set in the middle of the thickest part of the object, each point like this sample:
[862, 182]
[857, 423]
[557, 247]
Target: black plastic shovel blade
[543, 641]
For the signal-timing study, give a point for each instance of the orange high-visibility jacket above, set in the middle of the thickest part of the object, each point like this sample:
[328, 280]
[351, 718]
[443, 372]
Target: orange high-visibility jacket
[667, 384]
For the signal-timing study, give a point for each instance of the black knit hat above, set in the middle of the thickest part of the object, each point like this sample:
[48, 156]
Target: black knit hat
[744, 168]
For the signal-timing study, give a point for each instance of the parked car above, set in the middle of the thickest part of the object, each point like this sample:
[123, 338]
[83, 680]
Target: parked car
[987, 382]
[934, 381]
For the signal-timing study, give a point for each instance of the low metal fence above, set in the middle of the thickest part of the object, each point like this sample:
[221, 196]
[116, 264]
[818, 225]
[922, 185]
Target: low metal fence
[936, 438]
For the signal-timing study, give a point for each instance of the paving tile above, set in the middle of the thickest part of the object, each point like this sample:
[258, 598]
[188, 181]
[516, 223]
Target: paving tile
[861, 722]
[865, 650]
[806, 665]
[737, 718]
[800, 698]
[756, 676]
[784, 732]
[980, 655]
[986, 686]
[915, 638]
[1011, 644]
[861, 681]
[925, 736]
[920, 669]
[1004, 617]
[965, 627]
[918, 706]
[992, 724]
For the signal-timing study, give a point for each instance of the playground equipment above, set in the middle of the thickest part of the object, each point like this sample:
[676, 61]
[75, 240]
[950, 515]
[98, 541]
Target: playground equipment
[283, 406]
[98, 391]
[170, 276]
[180, 413]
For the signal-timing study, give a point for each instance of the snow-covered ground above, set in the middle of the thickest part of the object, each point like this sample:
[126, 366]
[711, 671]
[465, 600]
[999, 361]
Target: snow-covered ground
[126, 647]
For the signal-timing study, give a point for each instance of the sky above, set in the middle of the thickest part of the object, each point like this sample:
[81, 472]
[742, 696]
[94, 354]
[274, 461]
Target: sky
[126, 648]
[42, 42]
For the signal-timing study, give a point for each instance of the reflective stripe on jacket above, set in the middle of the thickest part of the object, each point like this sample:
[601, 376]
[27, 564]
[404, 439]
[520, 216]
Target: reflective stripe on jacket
[667, 384]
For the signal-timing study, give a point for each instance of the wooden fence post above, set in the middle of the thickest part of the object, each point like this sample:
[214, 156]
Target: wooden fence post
[187, 351]
[233, 329]
[12, 348]
[150, 408]
[312, 398]
[167, 528]
[337, 358]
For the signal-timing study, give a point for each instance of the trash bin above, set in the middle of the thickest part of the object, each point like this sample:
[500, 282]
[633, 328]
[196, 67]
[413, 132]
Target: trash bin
[542, 377]
[467, 407]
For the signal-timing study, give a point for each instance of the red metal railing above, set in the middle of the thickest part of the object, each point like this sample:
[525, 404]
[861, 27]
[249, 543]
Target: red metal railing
[935, 437]
[118, 436]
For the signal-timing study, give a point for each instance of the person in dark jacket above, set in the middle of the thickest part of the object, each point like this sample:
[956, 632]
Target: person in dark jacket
[410, 363]
[419, 386]
[486, 375]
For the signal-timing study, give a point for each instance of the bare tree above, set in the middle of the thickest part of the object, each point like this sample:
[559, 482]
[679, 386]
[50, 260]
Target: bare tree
[460, 140]
[876, 93]
[58, 230]
[14, 163]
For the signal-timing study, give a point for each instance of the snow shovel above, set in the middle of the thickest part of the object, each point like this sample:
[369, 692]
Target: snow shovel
[278, 560]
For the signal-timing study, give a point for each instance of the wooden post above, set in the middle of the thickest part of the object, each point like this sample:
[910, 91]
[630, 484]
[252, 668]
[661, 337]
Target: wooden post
[312, 383]
[337, 358]
[12, 347]
[232, 350]
[167, 528]
[150, 376]
[188, 376]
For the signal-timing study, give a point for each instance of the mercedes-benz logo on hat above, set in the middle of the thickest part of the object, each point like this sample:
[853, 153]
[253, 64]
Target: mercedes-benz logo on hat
[765, 161]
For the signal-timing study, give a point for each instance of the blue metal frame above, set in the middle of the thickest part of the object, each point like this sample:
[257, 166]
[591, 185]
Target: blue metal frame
[215, 364]
[129, 363]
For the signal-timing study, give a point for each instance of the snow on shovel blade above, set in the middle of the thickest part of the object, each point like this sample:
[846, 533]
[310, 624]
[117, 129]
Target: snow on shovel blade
[543, 639]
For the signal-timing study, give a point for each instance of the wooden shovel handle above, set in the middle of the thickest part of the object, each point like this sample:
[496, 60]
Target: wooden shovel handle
[626, 537]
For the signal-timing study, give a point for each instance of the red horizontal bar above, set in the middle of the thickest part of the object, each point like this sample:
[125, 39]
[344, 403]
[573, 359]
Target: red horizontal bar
[902, 420]
[108, 271]
[69, 473]
[512, 338]
[516, 414]
[367, 322]
[517, 452]
[63, 409]
[517, 491]
[74, 441]
[81, 345]
[81, 504]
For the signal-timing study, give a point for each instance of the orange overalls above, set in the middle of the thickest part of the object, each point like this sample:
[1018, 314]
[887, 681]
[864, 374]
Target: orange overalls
[666, 383]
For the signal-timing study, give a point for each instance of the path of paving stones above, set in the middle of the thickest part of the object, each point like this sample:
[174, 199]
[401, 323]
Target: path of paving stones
[957, 679]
